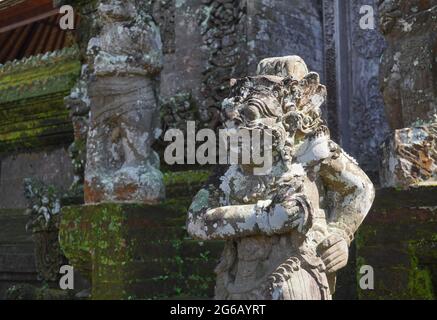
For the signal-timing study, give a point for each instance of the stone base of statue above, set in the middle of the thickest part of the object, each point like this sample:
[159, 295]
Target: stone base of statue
[137, 251]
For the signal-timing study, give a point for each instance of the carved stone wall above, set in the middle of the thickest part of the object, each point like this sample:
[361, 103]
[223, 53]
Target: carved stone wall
[330, 59]
[409, 86]
[285, 27]
[182, 67]
[355, 107]
[223, 35]
[368, 124]
[216, 40]
[234, 35]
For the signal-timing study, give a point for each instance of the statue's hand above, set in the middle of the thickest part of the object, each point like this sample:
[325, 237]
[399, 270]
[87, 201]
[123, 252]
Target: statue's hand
[334, 252]
[293, 211]
[295, 205]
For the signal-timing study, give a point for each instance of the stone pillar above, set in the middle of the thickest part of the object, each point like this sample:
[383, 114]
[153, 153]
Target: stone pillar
[408, 82]
[355, 109]
[104, 238]
[282, 28]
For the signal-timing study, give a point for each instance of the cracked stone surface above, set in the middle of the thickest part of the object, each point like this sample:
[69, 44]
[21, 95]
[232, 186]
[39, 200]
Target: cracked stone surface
[410, 157]
[408, 82]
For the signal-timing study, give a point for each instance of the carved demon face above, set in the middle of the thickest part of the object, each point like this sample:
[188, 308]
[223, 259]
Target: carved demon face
[253, 103]
[289, 108]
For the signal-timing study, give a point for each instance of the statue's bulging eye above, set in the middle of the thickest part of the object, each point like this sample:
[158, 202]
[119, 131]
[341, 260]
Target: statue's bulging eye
[251, 112]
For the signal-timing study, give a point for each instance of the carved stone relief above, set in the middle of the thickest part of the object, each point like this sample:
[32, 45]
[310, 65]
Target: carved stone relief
[223, 31]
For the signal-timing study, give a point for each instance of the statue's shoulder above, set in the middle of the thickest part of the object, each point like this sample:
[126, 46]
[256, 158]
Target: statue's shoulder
[337, 151]
[316, 148]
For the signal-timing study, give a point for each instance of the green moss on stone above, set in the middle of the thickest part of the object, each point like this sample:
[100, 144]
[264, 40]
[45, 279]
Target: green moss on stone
[419, 281]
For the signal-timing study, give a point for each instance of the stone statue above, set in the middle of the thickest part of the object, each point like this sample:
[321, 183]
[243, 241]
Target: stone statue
[288, 232]
[125, 59]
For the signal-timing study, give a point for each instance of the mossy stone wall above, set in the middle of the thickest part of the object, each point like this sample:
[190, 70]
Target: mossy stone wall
[399, 240]
[133, 251]
[32, 91]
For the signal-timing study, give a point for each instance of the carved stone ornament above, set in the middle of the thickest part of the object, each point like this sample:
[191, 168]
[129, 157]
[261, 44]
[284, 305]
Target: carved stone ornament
[124, 60]
[410, 157]
[43, 210]
[287, 233]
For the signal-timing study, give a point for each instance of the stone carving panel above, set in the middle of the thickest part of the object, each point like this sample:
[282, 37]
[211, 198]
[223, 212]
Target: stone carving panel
[410, 157]
[355, 107]
[44, 206]
[223, 34]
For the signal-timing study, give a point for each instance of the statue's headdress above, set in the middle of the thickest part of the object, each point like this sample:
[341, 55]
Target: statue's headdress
[284, 97]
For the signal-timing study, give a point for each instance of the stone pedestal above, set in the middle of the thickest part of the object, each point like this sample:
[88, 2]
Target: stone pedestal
[131, 251]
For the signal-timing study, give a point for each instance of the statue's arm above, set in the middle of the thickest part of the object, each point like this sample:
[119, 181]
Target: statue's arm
[209, 221]
[350, 192]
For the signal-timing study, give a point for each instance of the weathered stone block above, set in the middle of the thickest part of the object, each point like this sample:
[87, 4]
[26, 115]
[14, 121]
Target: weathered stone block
[410, 157]
[46, 165]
